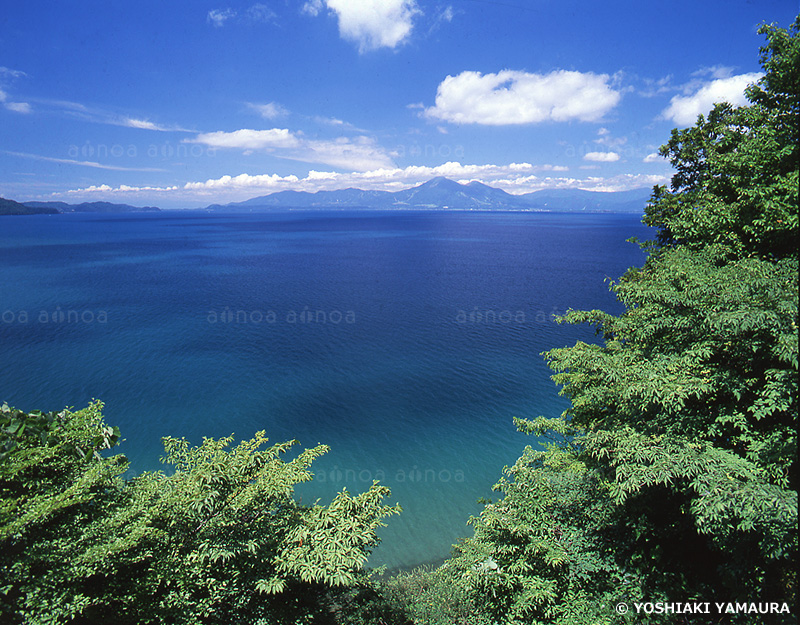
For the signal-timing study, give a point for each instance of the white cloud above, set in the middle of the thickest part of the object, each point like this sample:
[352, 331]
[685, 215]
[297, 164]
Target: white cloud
[515, 178]
[124, 188]
[604, 137]
[715, 71]
[17, 107]
[443, 16]
[144, 124]
[260, 13]
[371, 24]
[684, 109]
[218, 17]
[514, 97]
[312, 7]
[601, 157]
[139, 123]
[654, 157]
[13, 73]
[247, 139]
[270, 110]
[359, 154]
[339, 124]
[67, 161]
[329, 121]
[256, 13]
[101, 116]
[242, 181]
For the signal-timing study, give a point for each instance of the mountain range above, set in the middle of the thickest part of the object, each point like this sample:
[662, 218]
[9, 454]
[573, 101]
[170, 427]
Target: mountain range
[91, 207]
[10, 207]
[438, 193]
[442, 193]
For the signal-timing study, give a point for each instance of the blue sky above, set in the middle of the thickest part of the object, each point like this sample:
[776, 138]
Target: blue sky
[182, 104]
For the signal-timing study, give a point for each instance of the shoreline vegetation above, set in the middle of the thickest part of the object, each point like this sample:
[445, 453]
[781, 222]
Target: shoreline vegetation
[669, 487]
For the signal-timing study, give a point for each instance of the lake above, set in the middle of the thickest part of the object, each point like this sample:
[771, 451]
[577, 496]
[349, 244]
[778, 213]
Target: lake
[406, 341]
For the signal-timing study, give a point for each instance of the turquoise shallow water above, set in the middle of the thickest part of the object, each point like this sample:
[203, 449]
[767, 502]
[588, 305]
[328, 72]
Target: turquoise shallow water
[405, 341]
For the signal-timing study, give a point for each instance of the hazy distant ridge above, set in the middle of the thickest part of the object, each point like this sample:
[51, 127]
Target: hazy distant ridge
[437, 193]
[444, 193]
[92, 207]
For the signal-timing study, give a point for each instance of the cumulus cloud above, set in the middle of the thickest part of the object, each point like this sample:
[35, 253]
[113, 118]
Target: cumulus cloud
[684, 109]
[601, 157]
[654, 157]
[387, 178]
[359, 153]
[370, 24]
[124, 189]
[515, 97]
[515, 178]
[242, 181]
[247, 139]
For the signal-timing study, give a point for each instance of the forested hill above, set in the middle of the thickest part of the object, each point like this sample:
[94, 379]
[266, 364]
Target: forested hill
[10, 207]
[93, 207]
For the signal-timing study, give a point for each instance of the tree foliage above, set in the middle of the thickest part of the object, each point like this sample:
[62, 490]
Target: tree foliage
[672, 476]
[535, 556]
[736, 180]
[218, 538]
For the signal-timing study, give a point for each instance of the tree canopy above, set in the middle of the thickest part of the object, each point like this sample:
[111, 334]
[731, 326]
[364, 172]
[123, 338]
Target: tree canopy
[218, 538]
[672, 476]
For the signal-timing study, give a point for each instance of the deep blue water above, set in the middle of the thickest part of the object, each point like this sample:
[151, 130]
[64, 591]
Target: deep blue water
[405, 341]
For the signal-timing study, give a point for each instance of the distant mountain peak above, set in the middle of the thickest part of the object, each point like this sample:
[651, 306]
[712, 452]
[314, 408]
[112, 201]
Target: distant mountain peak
[441, 192]
[439, 182]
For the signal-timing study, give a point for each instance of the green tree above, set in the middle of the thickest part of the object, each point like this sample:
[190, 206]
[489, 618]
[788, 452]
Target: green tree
[736, 180]
[675, 477]
[537, 555]
[53, 481]
[217, 539]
